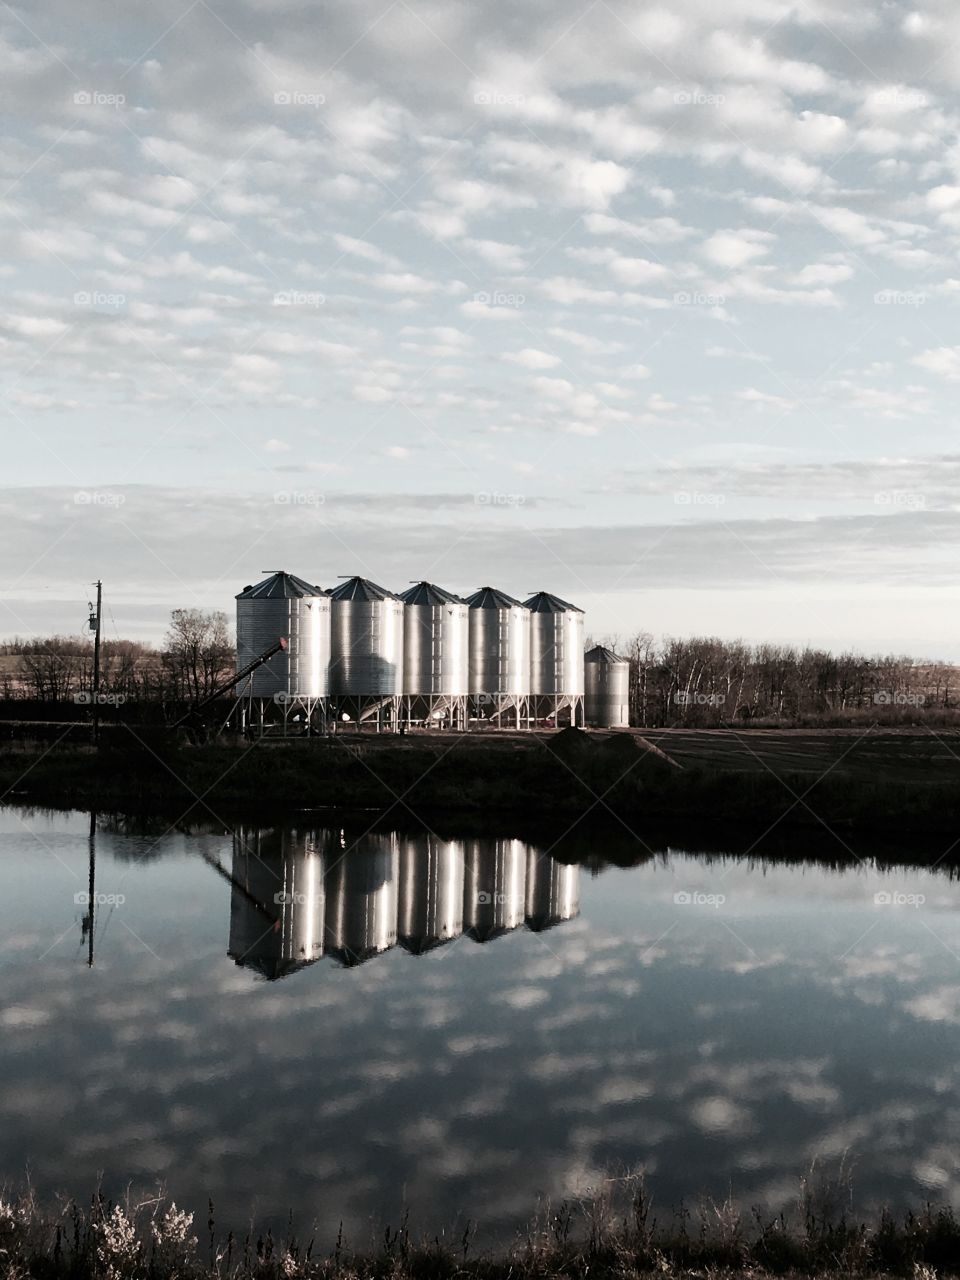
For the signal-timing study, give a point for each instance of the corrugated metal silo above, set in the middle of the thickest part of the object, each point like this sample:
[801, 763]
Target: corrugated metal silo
[431, 892]
[366, 652]
[493, 887]
[607, 689]
[285, 605]
[556, 657]
[277, 903]
[436, 655]
[553, 891]
[499, 654]
[361, 906]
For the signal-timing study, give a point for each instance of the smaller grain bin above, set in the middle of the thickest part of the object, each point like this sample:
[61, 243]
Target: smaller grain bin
[607, 689]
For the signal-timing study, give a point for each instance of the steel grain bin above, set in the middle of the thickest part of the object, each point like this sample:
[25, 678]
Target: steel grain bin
[436, 637]
[556, 646]
[366, 652]
[607, 689]
[553, 891]
[493, 887]
[361, 898]
[431, 892]
[284, 605]
[499, 631]
[277, 903]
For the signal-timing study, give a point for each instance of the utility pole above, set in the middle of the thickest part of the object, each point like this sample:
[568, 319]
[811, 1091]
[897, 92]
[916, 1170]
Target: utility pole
[95, 627]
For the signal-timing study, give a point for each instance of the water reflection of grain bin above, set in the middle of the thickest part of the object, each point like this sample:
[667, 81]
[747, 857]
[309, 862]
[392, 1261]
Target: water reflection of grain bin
[493, 889]
[284, 605]
[607, 689]
[361, 909]
[499, 656]
[431, 892]
[556, 658]
[553, 891]
[277, 902]
[435, 654]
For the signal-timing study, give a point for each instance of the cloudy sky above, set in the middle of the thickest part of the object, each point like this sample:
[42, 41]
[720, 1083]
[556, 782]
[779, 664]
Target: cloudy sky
[652, 306]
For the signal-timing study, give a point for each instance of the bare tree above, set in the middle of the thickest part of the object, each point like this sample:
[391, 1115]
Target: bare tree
[197, 652]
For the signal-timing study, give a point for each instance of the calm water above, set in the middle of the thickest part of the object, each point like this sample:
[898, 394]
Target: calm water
[342, 1024]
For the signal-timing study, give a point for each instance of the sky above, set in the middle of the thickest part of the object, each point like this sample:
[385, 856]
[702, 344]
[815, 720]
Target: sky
[651, 306]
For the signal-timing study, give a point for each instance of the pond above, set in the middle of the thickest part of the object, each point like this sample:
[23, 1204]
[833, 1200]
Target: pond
[345, 1023]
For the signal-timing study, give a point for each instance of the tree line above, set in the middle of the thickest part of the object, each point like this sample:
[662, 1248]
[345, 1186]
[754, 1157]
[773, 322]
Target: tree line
[703, 681]
[196, 653]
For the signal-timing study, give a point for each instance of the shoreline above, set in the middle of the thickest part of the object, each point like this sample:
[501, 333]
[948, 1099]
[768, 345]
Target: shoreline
[744, 786]
[611, 1234]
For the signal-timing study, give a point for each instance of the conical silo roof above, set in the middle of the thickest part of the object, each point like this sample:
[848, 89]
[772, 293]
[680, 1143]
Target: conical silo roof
[281, 586]
[491, 598]
[598, 654]
[358, 588]
[544, 602]
[428, 593]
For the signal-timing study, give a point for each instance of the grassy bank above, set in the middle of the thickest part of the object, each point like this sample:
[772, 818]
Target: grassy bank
[615, 1234]
[872, 782]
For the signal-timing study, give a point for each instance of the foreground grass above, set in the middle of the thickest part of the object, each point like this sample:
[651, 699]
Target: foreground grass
[606, 1236]
[879, 782]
